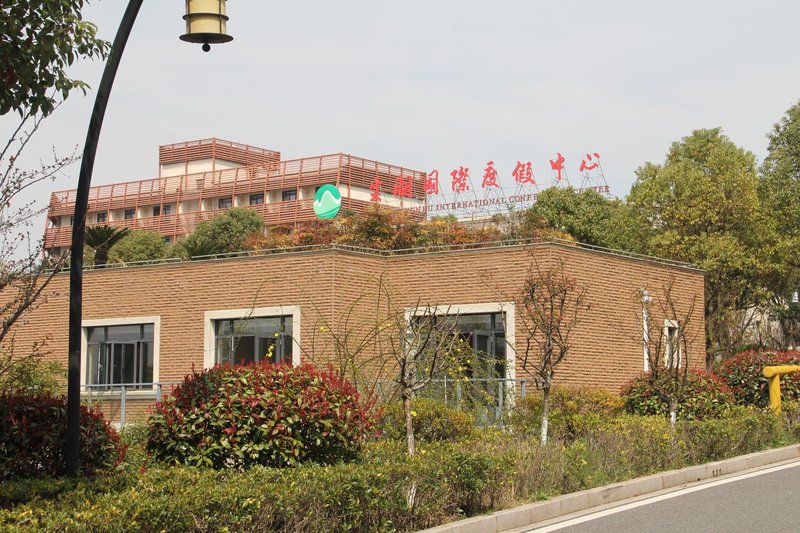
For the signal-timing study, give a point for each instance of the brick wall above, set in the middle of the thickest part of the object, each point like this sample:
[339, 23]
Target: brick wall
[337, 289]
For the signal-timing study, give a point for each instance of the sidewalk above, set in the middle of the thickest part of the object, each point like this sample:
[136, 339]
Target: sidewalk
[534, 513]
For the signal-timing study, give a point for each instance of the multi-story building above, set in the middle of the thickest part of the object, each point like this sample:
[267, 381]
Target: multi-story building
[198, 180]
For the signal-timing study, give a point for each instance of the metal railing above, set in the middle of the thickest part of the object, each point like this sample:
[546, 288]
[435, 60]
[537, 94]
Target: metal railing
[488, 399]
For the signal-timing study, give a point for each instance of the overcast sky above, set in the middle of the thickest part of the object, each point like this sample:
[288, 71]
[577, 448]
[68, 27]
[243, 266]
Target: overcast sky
[439, 84]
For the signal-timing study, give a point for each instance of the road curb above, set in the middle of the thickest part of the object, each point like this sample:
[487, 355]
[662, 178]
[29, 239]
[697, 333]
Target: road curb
[533, 513]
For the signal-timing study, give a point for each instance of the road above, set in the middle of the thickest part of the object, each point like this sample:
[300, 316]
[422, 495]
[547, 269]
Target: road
[765, 500]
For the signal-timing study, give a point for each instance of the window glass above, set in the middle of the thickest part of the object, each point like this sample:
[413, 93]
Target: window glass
[225, 203]
[118, 355]
[129, 214]
[251, 340]
[156, 210]
[102, 217]
[287, 196]
[167, 209]
[257, 199]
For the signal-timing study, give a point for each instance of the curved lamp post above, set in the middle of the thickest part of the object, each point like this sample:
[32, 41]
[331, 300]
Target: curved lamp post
[205, 23]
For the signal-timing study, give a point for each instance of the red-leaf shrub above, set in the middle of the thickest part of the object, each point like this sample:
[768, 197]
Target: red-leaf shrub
[743, 374]
[33, 434]
[705, 396]
[264, 414]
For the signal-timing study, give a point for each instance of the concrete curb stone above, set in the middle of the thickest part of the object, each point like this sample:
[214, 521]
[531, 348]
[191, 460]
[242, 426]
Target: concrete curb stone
[532, 513]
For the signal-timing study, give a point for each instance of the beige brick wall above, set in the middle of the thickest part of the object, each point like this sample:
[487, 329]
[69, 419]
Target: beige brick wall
[324, 283]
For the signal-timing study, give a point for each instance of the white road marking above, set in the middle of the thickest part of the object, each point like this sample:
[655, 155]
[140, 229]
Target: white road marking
[654, 499]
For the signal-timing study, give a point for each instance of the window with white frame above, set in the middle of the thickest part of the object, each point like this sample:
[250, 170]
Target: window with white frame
[672, 344]
[252, 340]
[120, 354]
[236, 336]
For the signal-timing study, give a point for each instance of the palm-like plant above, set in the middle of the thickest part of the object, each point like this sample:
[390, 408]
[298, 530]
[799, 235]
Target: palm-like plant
[195, 247]
[101, 239]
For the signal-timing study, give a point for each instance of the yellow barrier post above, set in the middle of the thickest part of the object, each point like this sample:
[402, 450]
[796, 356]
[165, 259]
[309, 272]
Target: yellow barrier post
[773, 374]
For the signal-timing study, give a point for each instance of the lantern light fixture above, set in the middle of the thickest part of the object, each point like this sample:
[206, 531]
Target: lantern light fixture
[206, 23]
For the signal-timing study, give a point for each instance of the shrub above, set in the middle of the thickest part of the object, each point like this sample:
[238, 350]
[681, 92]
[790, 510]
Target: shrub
[742, 431]
[574, 411]
[30, 375]
[264, 414]
[33, 434]
[705, 396]
[743, 375]
[433, 421]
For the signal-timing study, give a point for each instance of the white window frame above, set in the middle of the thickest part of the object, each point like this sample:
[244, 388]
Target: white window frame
[209, 336]
[509, 311]
[127, 321]
[675, 325]
[507, 308]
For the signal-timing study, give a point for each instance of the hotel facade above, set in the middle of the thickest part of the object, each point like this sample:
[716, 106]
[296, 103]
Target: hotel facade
[198, 180]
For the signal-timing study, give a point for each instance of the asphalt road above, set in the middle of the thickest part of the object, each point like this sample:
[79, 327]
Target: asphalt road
[766, 500]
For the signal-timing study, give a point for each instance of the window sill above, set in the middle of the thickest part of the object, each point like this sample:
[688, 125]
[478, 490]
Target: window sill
[139, 394]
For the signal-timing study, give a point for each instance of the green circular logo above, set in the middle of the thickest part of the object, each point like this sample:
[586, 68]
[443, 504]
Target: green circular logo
[327, 201]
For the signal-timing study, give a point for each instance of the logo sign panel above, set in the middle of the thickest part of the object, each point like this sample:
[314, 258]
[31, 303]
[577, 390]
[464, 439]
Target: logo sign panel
[327, 202]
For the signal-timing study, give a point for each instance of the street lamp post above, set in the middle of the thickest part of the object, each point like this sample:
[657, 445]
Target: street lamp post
[205, 23]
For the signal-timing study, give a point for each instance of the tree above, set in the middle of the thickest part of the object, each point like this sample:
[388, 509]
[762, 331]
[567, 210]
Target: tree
[225, 233]
[584, 215]
[667, 348]
[549, 307]
[426, 345]
[40, 39]
[701, 207]
[139, 246]
[778, 191]
[101, 239]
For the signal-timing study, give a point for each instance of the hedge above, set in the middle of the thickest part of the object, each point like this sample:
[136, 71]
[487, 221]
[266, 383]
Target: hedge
[385, 490]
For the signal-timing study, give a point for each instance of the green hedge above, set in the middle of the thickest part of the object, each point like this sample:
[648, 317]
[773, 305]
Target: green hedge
[385, 490]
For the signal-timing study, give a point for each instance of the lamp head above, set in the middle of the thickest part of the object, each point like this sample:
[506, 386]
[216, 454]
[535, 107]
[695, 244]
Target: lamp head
[206, 23]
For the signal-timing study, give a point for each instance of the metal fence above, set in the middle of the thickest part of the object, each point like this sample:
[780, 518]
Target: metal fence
[487, 399]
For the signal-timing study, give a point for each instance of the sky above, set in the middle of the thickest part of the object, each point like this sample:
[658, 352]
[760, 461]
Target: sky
[438, 84]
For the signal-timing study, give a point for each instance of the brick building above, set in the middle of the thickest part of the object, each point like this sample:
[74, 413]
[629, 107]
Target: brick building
[152, 324]
[198, 180]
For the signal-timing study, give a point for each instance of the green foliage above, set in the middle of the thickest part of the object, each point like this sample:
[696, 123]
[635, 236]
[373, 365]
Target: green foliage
[222, 234]
[433, 421]
[33, 433]
[101, 239]
[574, 412]
[584, 215]
[741, 431]
[385, 490]
[264, 414]
[743, 374]
[139, 246]
[701, 206]
[705, 396]
[30, 375]
[41, 39]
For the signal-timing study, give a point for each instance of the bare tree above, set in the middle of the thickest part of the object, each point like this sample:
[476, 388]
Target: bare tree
[666, 347]
[549, 307]
[24, 272]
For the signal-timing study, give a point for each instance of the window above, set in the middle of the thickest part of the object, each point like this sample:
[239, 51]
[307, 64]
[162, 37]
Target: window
[130, 213]
[288, 196]
[488, 329]
[156, 210]
[257, 199]
[251, 340]
[102, 217]
[167, 239]
[121, 354]
[167, 209]
[72, 220]
[672, 344]
[225, 203]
